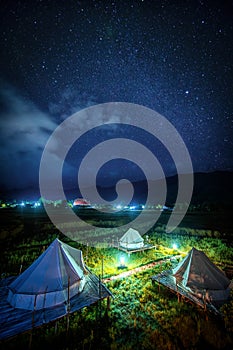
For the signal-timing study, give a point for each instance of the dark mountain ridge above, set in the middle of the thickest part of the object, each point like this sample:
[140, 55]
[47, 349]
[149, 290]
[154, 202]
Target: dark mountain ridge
[214, 188]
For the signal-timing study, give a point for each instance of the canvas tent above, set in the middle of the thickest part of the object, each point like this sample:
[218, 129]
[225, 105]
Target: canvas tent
[56, 276]
[200, 276]
[131, 240]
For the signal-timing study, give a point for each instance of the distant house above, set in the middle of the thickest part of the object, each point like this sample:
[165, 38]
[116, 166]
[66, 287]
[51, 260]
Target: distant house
[131, 240]
[81, 202]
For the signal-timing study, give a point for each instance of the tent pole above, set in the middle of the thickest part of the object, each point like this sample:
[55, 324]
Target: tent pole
[21, 266]
[68, 307]
[45, 297]
[102, 267]
[108, 303]
[87, 252]
[205, 305]
[100, 297]
[34, 308]
[178, 296]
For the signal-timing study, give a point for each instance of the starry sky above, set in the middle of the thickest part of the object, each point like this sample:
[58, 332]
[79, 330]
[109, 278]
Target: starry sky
[58, 57]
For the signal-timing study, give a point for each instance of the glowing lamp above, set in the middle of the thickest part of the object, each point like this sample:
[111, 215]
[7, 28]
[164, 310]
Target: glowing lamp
[122, 260]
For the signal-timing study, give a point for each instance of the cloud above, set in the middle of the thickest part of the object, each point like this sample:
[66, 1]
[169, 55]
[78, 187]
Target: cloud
[70, 101]
[24, 131]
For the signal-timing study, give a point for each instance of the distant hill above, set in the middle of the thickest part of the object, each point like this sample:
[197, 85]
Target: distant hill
[214, 188]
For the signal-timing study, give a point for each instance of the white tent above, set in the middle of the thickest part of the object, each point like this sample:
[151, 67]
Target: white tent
[199, 275]
[56, 276]
[131, 240]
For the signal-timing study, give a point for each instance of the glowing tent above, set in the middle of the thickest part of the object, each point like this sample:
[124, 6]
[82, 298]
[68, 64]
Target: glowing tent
[131, 240]
[199, 275]
[56, 276]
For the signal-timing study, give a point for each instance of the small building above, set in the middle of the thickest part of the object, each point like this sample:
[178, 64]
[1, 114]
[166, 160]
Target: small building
[82, 203]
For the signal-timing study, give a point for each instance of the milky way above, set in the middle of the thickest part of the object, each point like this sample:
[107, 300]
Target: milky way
[57, 57]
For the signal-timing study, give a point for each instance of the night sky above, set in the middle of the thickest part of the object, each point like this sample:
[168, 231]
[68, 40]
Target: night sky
[58, 57]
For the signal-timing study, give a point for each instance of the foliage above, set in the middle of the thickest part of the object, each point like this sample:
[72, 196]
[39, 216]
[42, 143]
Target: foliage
[141, 315]
[227, 311]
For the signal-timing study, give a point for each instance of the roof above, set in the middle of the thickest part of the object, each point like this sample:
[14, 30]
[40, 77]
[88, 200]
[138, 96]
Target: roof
[131, 236]
[81, 202]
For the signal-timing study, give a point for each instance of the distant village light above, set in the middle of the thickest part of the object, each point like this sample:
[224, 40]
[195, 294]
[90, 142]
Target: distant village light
[37, 204]
[132, 207]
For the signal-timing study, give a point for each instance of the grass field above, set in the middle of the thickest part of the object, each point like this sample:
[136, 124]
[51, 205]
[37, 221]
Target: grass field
[141, 316]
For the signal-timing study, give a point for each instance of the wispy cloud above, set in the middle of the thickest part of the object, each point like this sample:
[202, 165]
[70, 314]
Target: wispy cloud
[71, 101]
[24, 131]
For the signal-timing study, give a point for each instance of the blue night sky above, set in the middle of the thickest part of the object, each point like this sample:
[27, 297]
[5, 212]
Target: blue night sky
[58, 57]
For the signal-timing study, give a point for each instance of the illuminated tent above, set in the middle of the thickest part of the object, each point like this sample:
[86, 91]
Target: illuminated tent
[131, 240]
[199, 275]
[56, 276]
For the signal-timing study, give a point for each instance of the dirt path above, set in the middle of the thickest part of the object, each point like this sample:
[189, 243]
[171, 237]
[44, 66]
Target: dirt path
[138, 269]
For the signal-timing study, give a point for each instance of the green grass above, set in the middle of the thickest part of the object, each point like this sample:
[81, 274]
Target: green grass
[140, 316]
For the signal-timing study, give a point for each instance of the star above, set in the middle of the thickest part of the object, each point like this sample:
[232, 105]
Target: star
[174, 58]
